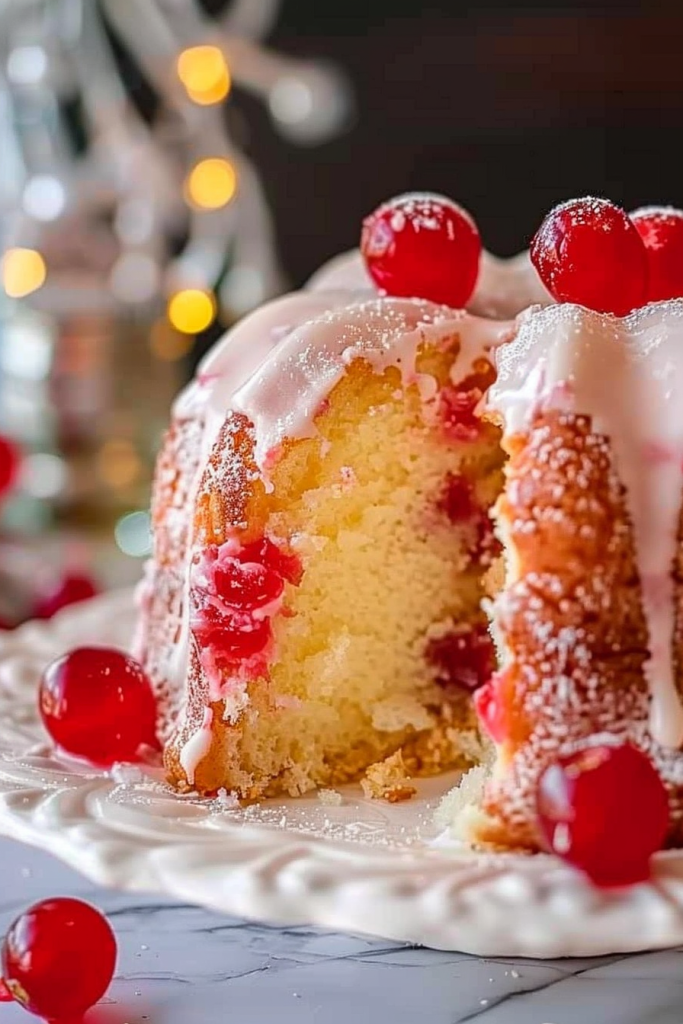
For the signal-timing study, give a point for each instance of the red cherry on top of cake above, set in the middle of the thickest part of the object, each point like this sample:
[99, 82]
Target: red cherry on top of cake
[661, 229]
[605, 810]
[424, 246]
[588, 251]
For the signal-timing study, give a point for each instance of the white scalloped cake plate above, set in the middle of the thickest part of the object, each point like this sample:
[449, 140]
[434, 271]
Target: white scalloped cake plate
[362, 866]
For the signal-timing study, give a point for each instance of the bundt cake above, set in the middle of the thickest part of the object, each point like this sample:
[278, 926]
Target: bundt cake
[364, 472]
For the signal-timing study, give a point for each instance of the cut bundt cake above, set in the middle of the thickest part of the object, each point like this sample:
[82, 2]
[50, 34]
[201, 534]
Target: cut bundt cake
[325, 561]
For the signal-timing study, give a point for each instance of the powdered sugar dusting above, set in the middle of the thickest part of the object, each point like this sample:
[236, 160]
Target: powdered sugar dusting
[504, 286]
[627, 376]
[283, 395]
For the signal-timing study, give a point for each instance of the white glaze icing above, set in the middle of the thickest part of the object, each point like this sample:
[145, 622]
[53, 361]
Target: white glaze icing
[346, 270]
[197, 747]
[507, 286]
[281, 398]
[627, 375]
[504, 288]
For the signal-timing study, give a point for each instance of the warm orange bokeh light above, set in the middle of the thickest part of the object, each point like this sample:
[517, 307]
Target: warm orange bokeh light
[168, 344]
[204, 73]
[191, 310]
[211, 183]
[23, 272]
[118, 463]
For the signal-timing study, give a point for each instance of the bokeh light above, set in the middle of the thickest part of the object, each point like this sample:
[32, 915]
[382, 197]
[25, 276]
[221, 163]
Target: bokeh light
[204, 73]
[118, 463]
[168, 344]
[23, 272]
[211, 183]
[133, 534]
[191, 310]
[43, 475]
[44, 197]
[26, 65]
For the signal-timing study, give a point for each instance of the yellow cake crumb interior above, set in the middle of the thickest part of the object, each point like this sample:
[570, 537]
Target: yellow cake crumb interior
[384, 571]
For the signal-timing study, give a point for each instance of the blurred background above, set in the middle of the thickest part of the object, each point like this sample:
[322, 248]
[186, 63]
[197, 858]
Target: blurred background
[166, 165]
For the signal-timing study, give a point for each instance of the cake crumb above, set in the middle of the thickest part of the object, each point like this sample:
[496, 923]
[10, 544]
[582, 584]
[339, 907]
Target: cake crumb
[463, 798]
[228, 801]
[388, 780]
[330, 797]
[124, 774]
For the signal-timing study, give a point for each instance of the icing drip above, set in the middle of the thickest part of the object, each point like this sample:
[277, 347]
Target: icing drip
[283, 396]
[627, 375]
[197, 747]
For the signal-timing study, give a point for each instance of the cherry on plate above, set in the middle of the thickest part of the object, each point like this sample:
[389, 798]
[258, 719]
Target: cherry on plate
[73, 588]
[97, 703]
[58, 958]
[10, 460]
[605, 810]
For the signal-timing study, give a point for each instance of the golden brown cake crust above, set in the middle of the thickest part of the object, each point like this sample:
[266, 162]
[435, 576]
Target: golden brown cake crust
[570, 621]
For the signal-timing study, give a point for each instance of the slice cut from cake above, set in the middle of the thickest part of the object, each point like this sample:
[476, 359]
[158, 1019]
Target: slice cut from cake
[588, 623]
[321, 537]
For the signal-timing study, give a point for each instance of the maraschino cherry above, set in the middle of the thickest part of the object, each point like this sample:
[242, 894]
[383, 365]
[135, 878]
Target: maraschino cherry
[97, 703]
[10, 461]
[71, 589]
[587, 251]
[661, 229]
[423, 246]
[488, 704]
[604, 810]
[58, 959]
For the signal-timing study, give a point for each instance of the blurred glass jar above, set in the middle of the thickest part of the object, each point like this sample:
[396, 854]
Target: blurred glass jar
[86, 393]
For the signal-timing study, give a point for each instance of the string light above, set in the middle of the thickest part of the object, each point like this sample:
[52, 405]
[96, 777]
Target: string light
[123, 192]
[204, 73]
[191, 310]
[211, 183]
[23, 272]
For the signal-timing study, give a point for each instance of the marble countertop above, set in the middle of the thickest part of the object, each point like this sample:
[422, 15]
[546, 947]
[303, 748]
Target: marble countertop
[182, 965]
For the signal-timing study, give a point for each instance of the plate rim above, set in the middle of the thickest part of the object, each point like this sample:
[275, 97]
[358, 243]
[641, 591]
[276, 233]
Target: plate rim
[437, 896]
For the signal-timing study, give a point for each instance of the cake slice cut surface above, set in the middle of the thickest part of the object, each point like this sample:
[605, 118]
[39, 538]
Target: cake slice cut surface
[326, 587]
